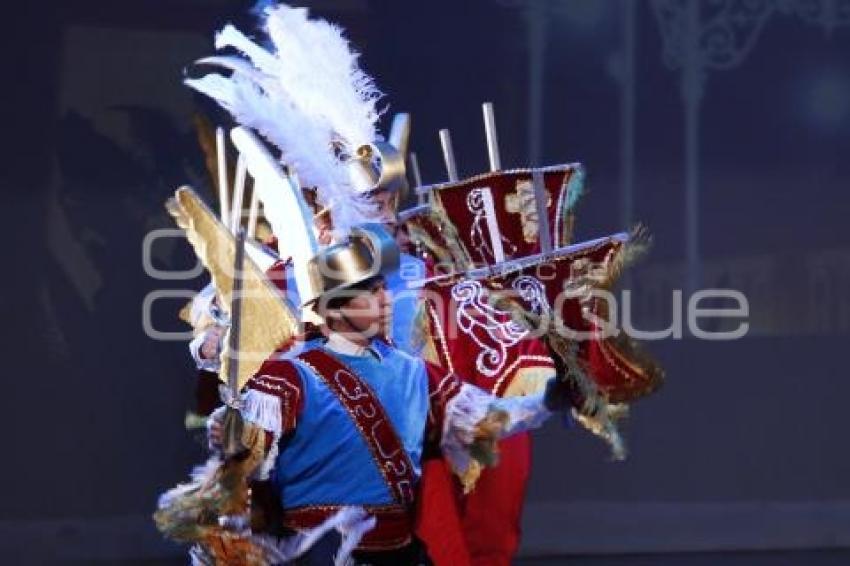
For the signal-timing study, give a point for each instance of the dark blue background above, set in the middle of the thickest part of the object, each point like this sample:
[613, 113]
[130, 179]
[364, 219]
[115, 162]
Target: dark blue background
[99, 134]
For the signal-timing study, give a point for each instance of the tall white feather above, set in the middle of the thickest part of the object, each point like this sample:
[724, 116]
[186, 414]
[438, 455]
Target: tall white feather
[303, 144]
[309, 98]
[320, 73]
[264, 61]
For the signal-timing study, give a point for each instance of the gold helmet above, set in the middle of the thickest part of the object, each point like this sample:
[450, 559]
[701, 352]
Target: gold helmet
[377, 166]
[367, 252]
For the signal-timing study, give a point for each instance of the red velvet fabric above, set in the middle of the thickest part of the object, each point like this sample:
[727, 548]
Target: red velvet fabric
[460, 321]
[438, 516]
[492, 512]
[482, 528]
[512, 191]
[475, 341]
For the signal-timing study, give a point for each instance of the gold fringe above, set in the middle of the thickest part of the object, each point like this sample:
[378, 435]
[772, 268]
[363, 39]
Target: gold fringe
[628, 350]
[484, 448]
[469, 478]
[190, 512]
[638, 245]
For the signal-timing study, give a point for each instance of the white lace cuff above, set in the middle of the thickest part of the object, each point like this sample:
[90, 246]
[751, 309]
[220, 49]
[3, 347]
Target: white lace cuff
[525, 413]
[463, 412]
[472, 406]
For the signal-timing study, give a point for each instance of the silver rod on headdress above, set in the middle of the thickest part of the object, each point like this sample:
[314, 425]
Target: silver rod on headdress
[399, 136]
[238, 194]
[540, 203]
[448, 154]
[221, 156]
[492, 138]
[254, 211]
[414, 168]
[417, 177]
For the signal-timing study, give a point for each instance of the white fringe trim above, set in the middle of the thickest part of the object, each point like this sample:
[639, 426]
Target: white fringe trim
[351, 522]
[262, 410]
[264, 471]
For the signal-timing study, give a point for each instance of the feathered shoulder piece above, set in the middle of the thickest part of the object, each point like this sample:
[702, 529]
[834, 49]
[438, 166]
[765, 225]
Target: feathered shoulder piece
[306, 94]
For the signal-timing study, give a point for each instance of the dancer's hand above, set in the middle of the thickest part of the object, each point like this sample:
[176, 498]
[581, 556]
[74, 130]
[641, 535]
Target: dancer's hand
[215, 430]
[211, 347]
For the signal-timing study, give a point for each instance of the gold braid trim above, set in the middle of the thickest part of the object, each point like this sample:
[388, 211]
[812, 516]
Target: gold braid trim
[623, 350]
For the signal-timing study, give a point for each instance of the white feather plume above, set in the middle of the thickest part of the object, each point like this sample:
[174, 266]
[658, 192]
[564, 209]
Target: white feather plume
[303, 145]
[229, 36]
[320, 73]
[309, 98]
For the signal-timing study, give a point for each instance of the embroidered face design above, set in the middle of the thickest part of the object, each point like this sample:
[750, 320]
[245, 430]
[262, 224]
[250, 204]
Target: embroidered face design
[522, 202]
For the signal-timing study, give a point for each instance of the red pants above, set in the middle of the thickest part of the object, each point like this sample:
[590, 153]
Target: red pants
[483, 527]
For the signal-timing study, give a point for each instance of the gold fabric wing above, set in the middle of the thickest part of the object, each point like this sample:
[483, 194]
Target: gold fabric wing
[266, 320]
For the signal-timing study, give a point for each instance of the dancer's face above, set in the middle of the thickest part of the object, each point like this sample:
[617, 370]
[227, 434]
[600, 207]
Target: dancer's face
[324, 229]
[386, 204]
[370, 311]
[367, 313]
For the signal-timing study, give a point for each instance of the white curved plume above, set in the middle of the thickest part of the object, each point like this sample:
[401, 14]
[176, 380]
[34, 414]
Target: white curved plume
[309, 98]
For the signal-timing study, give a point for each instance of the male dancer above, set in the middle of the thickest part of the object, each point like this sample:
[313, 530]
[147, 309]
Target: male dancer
[348, 415]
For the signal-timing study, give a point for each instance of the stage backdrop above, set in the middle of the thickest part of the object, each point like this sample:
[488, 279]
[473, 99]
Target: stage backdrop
[735, 160]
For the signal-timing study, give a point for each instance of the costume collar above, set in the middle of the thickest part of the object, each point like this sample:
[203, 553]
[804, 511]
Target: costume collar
[338, 343]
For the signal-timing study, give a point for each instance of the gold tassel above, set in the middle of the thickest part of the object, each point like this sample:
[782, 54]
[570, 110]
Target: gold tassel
[638, 245]
[484, 449]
